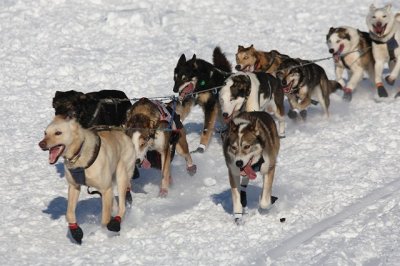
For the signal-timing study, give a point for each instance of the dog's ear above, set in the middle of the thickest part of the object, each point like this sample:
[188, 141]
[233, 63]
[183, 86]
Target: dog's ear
[194, 61]
[258, 125]
[251, 46]
[331, 30]
[388, 7]
[240, 48]
[372, 8]
[182, 60]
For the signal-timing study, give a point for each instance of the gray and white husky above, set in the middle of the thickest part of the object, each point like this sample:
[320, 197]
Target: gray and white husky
[351, 50]
[384, 29]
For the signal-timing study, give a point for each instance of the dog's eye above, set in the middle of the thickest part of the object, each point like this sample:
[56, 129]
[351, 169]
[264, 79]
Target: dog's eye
[373, 17]
[58, 133]
[246, 147]
[234, 148]
[246, 57]
[338, 41]
[384, 16]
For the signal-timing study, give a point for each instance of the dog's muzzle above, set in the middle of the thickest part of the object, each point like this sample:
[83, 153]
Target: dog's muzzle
[43, 145]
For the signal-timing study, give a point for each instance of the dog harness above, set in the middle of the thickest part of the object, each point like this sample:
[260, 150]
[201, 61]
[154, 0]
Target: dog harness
[391, 45]
[168, 115]
[78, 173]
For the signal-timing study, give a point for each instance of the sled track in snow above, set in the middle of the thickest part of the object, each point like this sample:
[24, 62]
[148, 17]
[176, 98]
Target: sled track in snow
[323, 225]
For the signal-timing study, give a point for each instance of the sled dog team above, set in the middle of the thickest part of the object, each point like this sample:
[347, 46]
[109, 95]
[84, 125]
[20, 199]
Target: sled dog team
[103, 137]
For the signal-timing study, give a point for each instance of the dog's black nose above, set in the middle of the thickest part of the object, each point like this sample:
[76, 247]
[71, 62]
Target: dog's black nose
[137, 161]
[43, 145]
[379, 24]
[239, 163]
[225, 115]
[238, 67]
[331, 51]
[284, 83]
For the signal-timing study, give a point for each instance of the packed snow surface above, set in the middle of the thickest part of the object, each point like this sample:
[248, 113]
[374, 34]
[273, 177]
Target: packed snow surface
[337, 179]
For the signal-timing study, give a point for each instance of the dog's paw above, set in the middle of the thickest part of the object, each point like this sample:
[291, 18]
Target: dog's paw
[303, 114]
[163, 193]
[136, 173]
[265, 209]
[382, 92]
[390, 81]
[115, 224]
[192, 169]
[238, 219]
[76, 232]
[347, 94]
[128, 198]
[199, 149]
[292, 114]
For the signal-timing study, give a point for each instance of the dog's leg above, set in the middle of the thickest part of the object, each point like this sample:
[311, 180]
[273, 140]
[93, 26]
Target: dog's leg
[379, 65]
[357, 74]
[292, 102]
[183, 109]
[278, 109]
[237, 205]
[243, 194]
[322, 92]
[266, 199]
[339, 75]
[394, 72]
[73, 196]
[106, 203]
[165, 170]
[183, 150]
[210, 116]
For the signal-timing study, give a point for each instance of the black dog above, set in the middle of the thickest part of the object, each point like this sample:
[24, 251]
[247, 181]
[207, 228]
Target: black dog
[193, 80]
[106, 107]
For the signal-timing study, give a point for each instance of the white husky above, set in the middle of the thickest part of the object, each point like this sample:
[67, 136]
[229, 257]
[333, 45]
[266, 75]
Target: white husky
[384, 29]
[351, 50]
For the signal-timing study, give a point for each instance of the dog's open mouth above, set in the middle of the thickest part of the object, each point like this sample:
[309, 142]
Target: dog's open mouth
[188, 89]
[336, 55]
[55, 153]
[288, 88]
[228, 118]
[379, 29]
[247, 170]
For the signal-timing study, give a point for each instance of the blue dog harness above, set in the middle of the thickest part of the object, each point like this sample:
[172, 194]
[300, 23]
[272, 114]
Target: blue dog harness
[78, 173]
[391, 45]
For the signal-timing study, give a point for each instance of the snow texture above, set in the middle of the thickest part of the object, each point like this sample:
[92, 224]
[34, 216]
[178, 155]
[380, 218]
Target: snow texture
[336, 179]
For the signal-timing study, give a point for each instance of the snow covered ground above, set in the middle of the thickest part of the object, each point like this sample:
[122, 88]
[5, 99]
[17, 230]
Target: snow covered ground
[336, 180]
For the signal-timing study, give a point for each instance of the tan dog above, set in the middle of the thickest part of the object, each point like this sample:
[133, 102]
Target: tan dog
[251, 145]
[249, 59]
[148, 124]
[92, 159]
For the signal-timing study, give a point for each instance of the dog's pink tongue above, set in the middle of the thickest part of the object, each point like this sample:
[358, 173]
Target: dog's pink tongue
[248, 171]
[54, 153]
[145, 164]
[187, 90]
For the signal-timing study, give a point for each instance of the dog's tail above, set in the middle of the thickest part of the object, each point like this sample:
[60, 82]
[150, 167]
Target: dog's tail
[334, 86]
[220, 61]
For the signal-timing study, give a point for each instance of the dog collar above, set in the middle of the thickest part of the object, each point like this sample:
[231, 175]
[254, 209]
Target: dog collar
[76, 156]
[272, 62]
